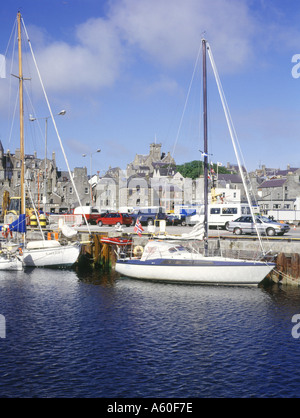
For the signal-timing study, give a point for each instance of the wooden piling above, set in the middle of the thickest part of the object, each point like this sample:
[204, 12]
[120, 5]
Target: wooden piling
[103, 254]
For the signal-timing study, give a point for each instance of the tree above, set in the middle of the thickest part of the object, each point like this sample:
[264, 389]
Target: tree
[194, 169]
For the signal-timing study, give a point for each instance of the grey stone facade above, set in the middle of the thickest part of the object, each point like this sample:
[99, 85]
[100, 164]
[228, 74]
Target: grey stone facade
[51, 190]
[149, 180]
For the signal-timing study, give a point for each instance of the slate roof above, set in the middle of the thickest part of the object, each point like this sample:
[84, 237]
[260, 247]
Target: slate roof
[232, 178]
[273, 183]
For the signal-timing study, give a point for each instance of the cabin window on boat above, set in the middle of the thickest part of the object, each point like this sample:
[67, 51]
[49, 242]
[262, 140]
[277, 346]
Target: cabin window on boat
[177, 248]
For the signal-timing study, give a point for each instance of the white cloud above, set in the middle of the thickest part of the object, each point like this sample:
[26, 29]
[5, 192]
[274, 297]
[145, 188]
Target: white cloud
[165, 33]
[161, 84]
[169, 31]
[93, 62]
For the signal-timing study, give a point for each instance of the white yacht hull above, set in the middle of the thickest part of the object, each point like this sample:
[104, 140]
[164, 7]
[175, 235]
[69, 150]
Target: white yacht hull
[57, 257]
[209, 271]
[10, 263]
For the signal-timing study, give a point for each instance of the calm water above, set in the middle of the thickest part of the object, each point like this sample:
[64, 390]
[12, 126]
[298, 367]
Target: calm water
[72, 336]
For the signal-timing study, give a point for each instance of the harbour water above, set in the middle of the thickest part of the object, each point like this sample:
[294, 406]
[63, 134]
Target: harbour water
[92, 335]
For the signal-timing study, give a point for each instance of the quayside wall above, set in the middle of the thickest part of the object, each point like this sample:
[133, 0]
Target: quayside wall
[285, 252]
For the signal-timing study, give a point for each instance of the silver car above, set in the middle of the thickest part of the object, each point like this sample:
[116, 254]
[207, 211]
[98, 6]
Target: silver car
[245, 225]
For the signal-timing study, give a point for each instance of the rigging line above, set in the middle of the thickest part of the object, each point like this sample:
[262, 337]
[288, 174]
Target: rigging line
[54, 124]
[28, 97]
[232, 132]
[186, 101]
[249, 183]
[13, 119]
[11, 36]
[15, 30]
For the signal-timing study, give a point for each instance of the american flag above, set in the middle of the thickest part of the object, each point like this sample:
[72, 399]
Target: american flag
[138, 227]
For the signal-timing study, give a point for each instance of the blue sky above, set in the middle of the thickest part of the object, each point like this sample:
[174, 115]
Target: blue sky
[122, 70]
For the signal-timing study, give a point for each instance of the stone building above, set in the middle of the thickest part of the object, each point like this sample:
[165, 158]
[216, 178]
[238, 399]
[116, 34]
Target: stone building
[145, 164]
[138, 185]
[40, 176]
[280, 191]
[66, 192]
[149, 180]
[49, 189]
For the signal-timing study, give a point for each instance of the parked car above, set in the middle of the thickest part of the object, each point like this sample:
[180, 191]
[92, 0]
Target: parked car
[148, 215]
[114, 219]
[245, 225]
[176, 220]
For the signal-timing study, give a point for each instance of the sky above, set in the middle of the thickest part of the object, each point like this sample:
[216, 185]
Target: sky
[125, 72]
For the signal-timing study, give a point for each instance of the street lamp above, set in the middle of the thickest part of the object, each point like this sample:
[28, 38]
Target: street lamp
[85, 155]
[91, 154]
[32, 119]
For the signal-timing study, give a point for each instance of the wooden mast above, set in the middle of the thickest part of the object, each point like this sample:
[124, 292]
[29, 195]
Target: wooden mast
[205, 238]
[22, 157]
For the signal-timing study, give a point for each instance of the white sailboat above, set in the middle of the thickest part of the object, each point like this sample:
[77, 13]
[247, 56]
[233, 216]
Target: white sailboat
[50, 254]
[40, 253]
[10, 260]
[173, 263]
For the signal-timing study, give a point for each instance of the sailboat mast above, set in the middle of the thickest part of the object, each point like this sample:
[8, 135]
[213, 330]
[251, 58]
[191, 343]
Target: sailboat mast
[205, 149]
[22, 158]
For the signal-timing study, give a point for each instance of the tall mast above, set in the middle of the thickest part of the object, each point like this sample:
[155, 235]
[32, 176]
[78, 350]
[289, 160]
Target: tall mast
[205, 149]
[22, 158]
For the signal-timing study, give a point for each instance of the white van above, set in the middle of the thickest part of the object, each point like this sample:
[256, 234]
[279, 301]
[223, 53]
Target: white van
[219, 215]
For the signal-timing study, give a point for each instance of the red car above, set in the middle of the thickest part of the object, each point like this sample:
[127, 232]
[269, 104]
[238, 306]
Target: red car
[114, 219]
